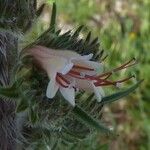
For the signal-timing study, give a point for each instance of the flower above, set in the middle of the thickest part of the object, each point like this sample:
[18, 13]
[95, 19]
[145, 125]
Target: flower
[69, 72]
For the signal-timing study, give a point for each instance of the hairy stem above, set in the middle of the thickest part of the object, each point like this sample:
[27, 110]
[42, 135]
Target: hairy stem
[7, 107]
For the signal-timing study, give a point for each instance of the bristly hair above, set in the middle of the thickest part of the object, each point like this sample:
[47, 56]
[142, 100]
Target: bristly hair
[15, 16]
[7, 107]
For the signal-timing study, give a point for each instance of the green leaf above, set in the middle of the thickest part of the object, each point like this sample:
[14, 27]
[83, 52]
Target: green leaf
[89, 120]
[76, 33]
[40, 10]
[53, 18]
[22, 106]
[33, 115]
[73, 133]
[119, 95]
[88, 37]
[9, 92]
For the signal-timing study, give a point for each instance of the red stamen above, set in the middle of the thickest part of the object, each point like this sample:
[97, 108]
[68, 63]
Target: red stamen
[65, 80]
[82, 68]
[105, 74]
[112, 83]
[126, 65]
[124, 80]
[60, 79]
[77, 75]
[74, 73]
[60, 82]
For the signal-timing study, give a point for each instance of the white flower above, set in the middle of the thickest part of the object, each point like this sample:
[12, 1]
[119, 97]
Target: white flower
[69, 71]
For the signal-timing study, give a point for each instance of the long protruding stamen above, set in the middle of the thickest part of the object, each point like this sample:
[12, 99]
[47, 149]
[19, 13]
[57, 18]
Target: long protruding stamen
[82, 68]
[126, 65]
[126, 79]
[101, 80]
[112, 82]
[78, 75]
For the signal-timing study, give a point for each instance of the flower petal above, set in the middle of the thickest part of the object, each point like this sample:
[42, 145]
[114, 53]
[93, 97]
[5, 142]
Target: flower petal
[61, 53]
[68, 94]
[84, 85]
[99, 93]
[66, 69]
[50, 60]
[83, 58]
[52, 88]
[87, 57]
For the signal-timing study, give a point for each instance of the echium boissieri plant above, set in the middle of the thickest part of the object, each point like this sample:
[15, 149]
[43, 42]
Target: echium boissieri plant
[57, 88]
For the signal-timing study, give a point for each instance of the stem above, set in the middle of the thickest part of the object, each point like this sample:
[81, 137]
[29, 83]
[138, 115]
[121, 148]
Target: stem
[7, 107]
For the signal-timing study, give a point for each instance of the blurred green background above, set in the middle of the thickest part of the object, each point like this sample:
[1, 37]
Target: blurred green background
[123, 28]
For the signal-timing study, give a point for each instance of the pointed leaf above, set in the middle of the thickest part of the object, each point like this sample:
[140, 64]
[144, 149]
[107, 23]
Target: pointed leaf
[12, 91]
[53, 18]
[88, 37]
[94, 41]
[119, 95]
[33, 115]
[89, 120]
[8, 93]
[76, 33]
[40, 10]
[22, 106]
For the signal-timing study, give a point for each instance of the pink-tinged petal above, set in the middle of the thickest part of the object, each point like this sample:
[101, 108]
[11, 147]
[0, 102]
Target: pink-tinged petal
[68, 94]
[51, 63]
[66, 69]
[56, 64]
[88, 86]
[83, 58]
[64, 53]
[84, 85]
[61, 53]
[99, 93]
[52, 88]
